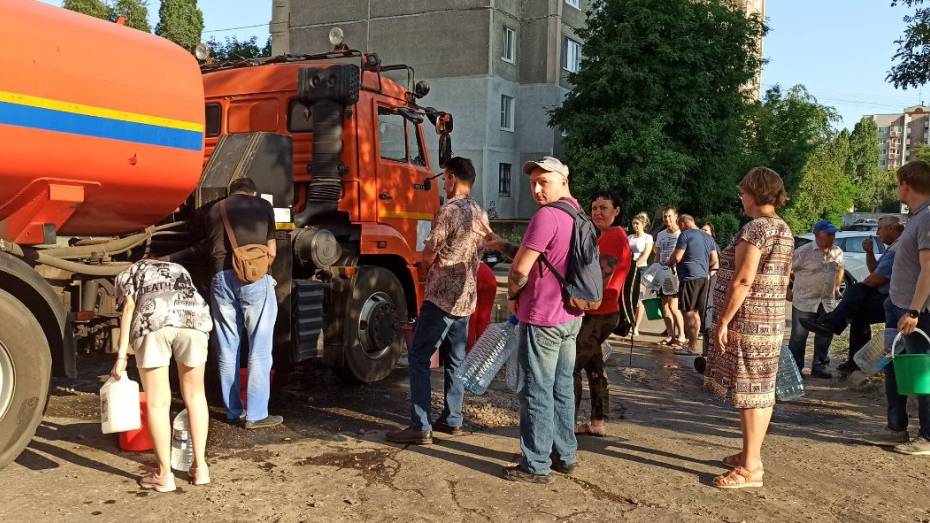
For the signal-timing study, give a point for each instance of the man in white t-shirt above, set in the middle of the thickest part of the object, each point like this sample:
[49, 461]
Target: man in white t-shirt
[665, 244]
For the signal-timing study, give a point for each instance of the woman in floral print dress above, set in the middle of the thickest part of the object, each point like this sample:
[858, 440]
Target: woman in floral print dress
[749, 320]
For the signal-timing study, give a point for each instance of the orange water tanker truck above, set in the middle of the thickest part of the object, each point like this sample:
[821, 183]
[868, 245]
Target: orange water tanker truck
[113, 145]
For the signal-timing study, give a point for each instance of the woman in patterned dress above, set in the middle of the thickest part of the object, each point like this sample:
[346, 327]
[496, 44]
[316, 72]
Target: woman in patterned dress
[749, 321]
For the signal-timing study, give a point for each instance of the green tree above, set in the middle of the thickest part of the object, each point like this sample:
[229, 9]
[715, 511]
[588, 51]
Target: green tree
[786, 128]
[922, 152]
[659, 105]
[180, 21]
[135, 11]
[95, 8]
[824, 190]
[913, 55]
[232, 49]
[874, 185]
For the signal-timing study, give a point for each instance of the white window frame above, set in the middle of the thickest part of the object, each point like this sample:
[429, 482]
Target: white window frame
[571, 61]
[510, 46]
[507, 114]
[574, 3]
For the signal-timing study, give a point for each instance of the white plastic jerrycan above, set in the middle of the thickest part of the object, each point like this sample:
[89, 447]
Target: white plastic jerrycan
[119, 405]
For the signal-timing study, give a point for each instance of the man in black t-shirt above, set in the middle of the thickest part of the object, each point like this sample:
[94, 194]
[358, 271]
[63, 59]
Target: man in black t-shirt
[238, 306]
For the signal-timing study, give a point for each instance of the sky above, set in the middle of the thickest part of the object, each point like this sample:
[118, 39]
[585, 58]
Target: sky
[840, 50]
[221, 18]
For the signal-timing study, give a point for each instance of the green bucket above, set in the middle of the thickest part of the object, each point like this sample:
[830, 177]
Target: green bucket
[653, 308]
[912, 371]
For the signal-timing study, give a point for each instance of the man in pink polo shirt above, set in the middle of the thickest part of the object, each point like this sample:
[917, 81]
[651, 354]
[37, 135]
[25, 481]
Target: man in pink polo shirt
[548, 328]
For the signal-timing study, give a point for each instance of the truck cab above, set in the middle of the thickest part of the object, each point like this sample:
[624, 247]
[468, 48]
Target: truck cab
[362, 200]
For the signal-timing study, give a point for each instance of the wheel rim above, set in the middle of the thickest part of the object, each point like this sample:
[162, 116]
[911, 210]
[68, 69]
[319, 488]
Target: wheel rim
[377, 326]
[6, 380]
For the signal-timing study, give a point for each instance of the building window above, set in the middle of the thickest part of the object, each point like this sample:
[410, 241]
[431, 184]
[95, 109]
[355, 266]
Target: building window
[507, 113]
[574, 3]
[571, 55]
[510, 45]
[503, 179]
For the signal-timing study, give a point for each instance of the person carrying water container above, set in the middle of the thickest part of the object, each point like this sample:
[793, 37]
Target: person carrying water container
[452, 253]
[538, 293]
[164, 315]
[906, 308]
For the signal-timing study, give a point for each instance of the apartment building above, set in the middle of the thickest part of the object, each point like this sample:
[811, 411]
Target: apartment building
[899, 134]
[753, 7]
[498, 66]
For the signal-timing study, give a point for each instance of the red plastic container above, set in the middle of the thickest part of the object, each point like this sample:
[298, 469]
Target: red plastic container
[244, 383]
[137, 440]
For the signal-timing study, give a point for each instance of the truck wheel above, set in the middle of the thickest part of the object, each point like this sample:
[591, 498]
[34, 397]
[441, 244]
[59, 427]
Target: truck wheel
[25, 367]
[373, 331]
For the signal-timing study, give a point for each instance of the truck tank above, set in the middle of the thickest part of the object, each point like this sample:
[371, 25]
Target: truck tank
[101, 125]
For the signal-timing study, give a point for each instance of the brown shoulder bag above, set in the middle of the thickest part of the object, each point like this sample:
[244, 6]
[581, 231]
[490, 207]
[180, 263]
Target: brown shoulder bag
[250, 262]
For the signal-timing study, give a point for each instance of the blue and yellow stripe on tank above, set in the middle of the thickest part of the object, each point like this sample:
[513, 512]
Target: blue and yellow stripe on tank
[33, 112]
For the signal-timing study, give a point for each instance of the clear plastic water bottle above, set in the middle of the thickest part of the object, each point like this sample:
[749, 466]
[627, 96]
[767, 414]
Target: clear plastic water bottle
[487, 357]
[607, 350]
[182, 451]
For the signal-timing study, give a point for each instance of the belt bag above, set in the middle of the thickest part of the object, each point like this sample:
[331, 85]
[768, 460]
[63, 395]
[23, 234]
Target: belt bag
[249, 262]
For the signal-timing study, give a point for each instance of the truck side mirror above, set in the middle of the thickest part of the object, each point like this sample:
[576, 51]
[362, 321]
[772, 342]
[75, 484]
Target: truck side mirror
[445, 149]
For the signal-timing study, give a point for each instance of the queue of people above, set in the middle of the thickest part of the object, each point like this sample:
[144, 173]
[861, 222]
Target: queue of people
[559, 342]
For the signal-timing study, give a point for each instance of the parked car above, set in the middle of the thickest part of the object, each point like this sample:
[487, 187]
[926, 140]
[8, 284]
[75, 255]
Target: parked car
[853, 253]
[865, 224]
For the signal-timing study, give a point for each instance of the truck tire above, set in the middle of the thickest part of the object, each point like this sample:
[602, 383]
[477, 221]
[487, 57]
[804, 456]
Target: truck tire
[377, 310]
[25, 369]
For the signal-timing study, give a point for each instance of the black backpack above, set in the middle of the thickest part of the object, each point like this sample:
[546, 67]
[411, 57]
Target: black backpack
[583, 282]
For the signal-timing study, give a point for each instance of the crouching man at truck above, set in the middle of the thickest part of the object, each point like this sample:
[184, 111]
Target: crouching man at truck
[452, 253]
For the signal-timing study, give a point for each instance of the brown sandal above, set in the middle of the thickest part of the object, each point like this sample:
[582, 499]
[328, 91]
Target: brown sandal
[733, 461]
[584, 429]
[739, 478]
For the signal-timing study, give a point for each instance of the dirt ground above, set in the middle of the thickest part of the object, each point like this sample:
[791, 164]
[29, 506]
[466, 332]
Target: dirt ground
[329, 462]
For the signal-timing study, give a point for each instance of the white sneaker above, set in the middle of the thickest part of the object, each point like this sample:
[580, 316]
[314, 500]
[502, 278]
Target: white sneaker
[918, 446]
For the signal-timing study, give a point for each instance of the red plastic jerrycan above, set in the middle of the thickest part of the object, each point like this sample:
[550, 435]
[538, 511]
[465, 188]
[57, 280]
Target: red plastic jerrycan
[137, 440]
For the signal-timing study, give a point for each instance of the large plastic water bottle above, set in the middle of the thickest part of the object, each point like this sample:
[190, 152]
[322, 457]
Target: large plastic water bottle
[182, 451]
[487, 357]
[119, 405]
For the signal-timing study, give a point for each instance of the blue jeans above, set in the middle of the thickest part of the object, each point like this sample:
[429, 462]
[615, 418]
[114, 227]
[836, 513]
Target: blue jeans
[913, 344]
[547, 400]
[437, 329]
[798, 340]
[253, 308]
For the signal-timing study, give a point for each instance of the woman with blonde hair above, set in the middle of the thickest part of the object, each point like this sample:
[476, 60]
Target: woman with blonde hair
[749, 321]
[641, 247]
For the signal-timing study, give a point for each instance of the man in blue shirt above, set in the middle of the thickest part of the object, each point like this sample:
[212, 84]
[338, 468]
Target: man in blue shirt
[861, 305]
[694, 257]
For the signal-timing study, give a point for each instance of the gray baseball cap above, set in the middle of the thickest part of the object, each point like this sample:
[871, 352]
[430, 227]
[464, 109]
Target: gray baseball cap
[549, 164]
